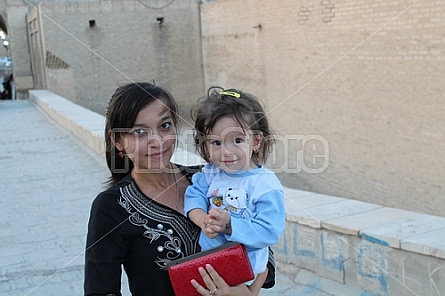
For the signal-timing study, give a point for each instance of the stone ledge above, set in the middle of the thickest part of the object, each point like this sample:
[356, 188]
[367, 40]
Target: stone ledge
[85, 124]
[400, 229]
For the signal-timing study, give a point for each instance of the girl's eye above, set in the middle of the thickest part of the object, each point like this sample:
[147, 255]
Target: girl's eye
[139, 132]
[216, 143]
[238, 140]
[166, 125]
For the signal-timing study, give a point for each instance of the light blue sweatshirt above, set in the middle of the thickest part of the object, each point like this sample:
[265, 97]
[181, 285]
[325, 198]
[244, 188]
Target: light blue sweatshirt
[254, 200]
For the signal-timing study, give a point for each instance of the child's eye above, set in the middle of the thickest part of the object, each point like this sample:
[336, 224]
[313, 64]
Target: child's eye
[238, 140]
[216, 143]
[166, 125]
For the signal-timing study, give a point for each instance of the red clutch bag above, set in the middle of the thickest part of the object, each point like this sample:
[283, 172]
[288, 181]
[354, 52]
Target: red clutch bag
[229, 260]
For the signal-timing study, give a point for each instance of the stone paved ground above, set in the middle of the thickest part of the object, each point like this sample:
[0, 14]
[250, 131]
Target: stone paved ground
[48, 180]
[47, 183]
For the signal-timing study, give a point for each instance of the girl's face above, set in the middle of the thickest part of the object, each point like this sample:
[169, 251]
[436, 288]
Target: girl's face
[230, 146]
[150, 143]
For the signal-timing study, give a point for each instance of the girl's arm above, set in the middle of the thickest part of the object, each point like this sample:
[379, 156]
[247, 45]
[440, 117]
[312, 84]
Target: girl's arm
[261, 231]
[255, 287]
[200, 218]
[196, 203]
[266, 227]
[104, 250]
[196, 194]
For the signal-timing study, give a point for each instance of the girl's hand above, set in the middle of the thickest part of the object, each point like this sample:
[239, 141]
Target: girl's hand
[216, 286]
[201, 218]
[208, 229]
[219, 221]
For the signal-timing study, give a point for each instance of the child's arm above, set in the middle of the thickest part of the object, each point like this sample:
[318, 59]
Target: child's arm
[196, 194]
[219, 221]
[260, 231]
[198, 216]
[201, 219]
[196, 203]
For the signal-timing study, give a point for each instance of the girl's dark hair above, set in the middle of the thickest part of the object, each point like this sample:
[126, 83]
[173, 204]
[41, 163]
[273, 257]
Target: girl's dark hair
[243, 107]
[122, 110]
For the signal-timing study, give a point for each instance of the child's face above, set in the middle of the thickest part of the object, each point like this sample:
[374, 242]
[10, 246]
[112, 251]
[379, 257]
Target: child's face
[230, 146]
[150, 143]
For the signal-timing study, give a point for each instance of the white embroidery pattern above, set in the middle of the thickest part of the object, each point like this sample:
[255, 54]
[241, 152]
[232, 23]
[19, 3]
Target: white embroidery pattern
[143, 210]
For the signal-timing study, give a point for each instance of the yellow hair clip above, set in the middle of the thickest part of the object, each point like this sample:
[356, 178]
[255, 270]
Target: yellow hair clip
[231, 93]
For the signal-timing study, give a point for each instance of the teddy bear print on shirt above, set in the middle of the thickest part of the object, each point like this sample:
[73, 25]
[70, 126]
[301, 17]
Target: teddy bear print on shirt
[234, 200]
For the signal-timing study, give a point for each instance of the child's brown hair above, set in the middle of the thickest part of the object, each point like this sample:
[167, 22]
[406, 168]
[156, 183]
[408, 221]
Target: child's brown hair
[243, 107]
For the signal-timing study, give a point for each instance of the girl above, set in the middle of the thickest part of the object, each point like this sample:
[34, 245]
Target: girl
[234, 197]
[138, 221]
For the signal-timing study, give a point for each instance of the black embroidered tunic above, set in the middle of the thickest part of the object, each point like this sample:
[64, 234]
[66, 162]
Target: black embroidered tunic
[129, 229]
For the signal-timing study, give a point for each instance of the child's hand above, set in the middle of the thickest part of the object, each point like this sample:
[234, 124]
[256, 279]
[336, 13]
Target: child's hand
[200, 218]
[219, 221]
[207, 229]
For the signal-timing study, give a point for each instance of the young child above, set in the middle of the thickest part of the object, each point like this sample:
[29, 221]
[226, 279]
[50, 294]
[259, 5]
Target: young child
[234, 197]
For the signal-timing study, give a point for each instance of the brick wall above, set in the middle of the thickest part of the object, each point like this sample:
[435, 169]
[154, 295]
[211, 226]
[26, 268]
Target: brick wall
[363, 79]
[125, 43]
